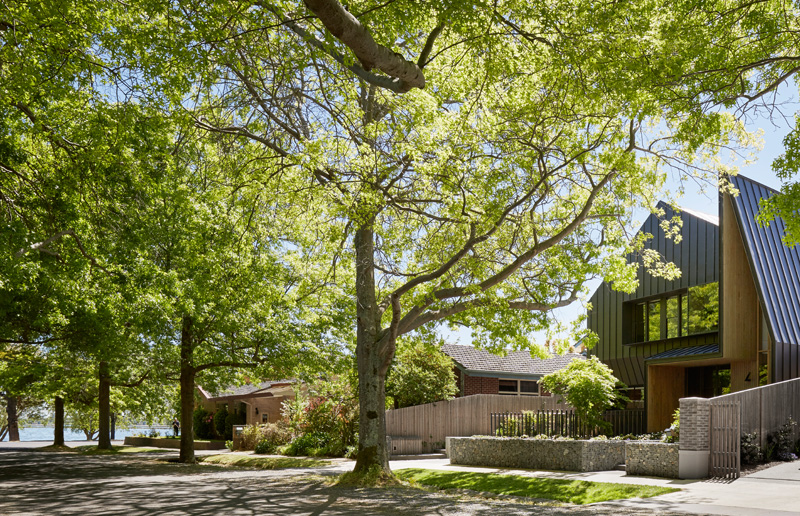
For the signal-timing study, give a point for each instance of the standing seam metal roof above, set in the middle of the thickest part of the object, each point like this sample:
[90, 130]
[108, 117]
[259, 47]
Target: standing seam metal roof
[776, 267]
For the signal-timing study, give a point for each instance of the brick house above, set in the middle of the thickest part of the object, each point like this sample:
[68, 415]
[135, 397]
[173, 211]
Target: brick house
[261, 402]
[516, 374]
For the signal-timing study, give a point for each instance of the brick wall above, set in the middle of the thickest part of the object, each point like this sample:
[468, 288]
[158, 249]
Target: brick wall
[480, 385]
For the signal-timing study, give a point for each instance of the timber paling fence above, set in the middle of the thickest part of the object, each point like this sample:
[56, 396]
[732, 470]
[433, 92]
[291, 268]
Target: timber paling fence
[761, 410]
[564, 423]
[460, 417]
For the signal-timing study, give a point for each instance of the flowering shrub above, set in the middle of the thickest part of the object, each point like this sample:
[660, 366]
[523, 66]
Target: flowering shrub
[274, 434]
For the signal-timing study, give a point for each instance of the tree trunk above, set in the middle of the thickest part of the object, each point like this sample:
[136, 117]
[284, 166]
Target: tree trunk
[58, 431]
[104, 400]
[187, 391]
[113, 425]
[13, 423]
[372, 365]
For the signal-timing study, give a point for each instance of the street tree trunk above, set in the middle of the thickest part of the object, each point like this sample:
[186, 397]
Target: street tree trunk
[372, 361]
[13, 423]
[187, 391]
[104, 400]
[58, 430]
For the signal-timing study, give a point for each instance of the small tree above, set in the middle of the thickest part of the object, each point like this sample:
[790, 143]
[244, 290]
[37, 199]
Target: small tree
[421, 373]
[588, 385]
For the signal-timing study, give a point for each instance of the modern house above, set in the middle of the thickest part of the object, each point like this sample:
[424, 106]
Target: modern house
[261, 402]
[516, 374]
[730, 322]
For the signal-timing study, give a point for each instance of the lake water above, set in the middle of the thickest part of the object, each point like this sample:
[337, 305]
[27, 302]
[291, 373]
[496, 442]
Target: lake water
[46, 433]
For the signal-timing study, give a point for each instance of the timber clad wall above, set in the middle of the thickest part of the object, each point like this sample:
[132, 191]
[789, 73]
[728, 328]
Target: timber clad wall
[461, 417]
[697, 256]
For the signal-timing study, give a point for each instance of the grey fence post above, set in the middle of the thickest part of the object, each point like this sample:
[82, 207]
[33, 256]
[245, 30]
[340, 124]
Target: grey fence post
[695, 438]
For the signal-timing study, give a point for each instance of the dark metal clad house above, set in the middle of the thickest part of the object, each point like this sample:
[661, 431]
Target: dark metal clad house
[729, 323]
[776, 271]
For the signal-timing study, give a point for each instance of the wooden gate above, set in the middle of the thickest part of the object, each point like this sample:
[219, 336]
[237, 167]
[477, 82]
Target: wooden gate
[725, 439]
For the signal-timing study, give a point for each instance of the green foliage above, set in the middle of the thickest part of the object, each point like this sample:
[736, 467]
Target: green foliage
[751, 449]
[202, 423]
[588, 385]
[270, 436]
[311, 443]
[570, 491]
[219, 421]
[783, 441]
[233, 418]
[420, 374]
[264, 447]
[229, 445]
[325, 420]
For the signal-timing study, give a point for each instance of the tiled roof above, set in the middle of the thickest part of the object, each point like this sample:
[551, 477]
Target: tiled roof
[775, 266]
[517, 362]
[687, 352]
[250, 388]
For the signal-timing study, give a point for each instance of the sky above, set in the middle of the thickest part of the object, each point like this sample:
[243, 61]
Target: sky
[775, 125]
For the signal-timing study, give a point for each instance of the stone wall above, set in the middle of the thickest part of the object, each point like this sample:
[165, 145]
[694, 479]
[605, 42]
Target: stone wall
[536, 453]
[651, 458]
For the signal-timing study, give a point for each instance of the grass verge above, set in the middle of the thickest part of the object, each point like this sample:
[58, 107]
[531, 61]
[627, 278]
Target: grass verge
[249, 461]
[91, 449]
[572, 491]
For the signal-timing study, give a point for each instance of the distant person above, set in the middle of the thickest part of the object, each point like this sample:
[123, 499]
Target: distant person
[175, 426]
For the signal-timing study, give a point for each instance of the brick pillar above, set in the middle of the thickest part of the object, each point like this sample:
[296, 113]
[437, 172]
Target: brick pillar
[695, 438]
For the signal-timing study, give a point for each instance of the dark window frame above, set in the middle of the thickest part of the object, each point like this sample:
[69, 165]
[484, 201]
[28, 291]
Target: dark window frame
[637, 313]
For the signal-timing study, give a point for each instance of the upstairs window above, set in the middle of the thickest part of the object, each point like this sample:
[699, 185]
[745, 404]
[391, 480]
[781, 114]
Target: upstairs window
[678, 314]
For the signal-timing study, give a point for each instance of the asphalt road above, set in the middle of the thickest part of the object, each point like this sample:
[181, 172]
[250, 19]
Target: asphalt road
[42, 483]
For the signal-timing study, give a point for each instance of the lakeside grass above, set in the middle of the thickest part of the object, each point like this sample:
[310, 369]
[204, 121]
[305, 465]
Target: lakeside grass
[250, 461]
[578, 492]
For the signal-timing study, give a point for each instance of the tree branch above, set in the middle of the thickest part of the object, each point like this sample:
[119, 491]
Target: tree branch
[345, 27]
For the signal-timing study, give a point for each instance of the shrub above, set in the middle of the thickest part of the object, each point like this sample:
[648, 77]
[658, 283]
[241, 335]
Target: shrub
[219, 421]
[265, 446]
[308, 444]
[202, 420]
[751, 449]
[589, 386]
[783, 441]
[233, 418]
[229, 445]
[275, 433]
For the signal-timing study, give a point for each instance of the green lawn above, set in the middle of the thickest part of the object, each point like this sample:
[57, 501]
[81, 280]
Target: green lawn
[91, 449]
[572, 491]
[250, 461]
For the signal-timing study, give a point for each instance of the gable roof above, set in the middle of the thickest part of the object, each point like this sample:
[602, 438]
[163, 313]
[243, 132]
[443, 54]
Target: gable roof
[776, 267]
[516, 363]
[250, 390]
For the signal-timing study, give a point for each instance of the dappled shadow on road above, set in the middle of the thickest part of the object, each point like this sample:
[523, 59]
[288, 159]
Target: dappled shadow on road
[71, 484]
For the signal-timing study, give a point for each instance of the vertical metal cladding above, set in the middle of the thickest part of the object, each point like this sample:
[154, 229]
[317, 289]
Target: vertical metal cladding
[697, 256]
[776, 269]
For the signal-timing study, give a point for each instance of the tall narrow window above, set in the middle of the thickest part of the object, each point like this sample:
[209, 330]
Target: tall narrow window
[673, 317]
[654, 320]
[703, 309]
[639, 322]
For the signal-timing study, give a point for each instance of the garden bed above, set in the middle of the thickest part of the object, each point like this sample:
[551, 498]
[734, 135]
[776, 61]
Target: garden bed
[161, 442]
[566, 455]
